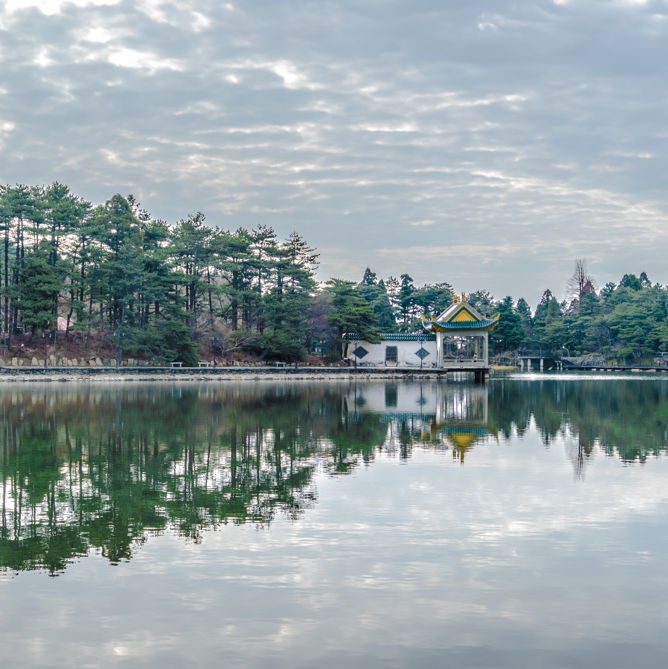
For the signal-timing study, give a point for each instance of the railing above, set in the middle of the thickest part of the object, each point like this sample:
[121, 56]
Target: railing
[464, 361]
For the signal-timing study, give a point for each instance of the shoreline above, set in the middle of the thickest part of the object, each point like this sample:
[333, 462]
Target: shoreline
[65, 374]
[148, 374]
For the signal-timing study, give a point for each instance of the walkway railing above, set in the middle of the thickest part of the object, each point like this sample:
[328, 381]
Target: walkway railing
[463, 361]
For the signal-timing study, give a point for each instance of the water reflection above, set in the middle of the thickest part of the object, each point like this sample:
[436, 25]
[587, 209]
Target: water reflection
[444, 416]
[623, 418]
[104, 468]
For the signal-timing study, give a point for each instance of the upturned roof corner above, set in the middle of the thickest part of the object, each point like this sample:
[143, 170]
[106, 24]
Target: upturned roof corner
[460, 316]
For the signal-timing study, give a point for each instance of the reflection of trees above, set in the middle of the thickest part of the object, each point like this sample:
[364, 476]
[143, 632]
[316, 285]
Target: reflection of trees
[627, 418]
[104, 469]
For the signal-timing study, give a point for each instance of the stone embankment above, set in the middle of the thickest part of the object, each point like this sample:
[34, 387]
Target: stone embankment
[586, 360]
[101, 373]
[53, 361]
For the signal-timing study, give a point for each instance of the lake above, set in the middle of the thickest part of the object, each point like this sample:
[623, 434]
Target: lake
[521, 523]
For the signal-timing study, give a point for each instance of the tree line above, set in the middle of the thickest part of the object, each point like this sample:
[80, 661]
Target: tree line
[115, 274]
[112, 276]
[625, 321]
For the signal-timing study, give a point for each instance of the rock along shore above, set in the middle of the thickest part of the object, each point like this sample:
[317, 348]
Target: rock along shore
[207, 373]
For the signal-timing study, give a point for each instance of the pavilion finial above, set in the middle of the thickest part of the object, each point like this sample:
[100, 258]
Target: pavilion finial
[463, 297]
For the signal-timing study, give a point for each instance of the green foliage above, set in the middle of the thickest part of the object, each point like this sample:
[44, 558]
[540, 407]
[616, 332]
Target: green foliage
[483, 302]
[369, 278]
[405, 299]
[110, 469]
[625, 322]
[113, 268]
[376, 295]
[289, 294]
[39, 286]
[351, 312]
[165, 340]
[433, 298]
[631, 281]
[509, 333]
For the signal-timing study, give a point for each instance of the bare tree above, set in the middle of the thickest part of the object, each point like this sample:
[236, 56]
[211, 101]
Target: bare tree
[581, 282]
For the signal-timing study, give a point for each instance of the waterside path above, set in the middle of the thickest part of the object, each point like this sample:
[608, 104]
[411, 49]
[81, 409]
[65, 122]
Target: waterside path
[209, 373]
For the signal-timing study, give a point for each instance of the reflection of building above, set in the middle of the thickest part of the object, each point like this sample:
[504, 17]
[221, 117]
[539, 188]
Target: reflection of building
[454, 416]
[457, 340]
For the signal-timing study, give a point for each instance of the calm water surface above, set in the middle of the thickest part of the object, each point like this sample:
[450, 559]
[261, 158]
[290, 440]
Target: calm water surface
[436, 524]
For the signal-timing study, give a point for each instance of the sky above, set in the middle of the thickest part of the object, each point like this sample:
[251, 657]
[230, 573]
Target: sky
[484, 143]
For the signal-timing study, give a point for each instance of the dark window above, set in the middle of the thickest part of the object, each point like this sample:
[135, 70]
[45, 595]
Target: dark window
[360, 352]
[391, 354]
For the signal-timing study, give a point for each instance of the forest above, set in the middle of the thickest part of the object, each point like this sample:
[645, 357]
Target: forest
[112, 280]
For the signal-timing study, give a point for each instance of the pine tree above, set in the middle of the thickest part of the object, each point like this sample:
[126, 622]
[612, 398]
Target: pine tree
[508, 334]
[352, 313]
[369, 278]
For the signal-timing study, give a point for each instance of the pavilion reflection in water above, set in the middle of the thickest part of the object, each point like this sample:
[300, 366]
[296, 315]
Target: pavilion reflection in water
[448, 416]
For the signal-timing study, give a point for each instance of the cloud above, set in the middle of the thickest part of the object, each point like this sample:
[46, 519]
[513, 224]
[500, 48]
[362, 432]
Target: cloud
[50, 7]
[142, 61]
[528, 133]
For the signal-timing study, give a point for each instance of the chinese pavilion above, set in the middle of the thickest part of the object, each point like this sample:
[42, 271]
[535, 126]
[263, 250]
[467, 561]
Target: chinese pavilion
[457, 339]
[462, 335]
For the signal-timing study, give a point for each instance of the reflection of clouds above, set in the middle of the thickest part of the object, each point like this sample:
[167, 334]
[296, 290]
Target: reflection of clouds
[507, 553]
[523, 124]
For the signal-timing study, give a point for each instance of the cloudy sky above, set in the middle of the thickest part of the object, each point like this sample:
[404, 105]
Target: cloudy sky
[482, 142]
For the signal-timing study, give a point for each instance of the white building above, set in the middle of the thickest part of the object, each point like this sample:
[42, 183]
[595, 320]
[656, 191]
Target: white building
[457, 339]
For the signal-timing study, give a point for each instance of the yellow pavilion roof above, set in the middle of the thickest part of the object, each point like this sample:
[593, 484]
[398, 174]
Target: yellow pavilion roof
[460, 316]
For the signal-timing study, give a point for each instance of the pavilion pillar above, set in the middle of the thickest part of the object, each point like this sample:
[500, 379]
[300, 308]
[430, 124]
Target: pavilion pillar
[439, 349]
[485, 348]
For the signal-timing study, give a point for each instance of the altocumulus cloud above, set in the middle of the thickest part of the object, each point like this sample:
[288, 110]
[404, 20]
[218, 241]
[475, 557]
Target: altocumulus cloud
[485, 143]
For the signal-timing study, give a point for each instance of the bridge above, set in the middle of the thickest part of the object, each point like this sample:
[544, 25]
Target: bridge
[546, 363]
[541, 363]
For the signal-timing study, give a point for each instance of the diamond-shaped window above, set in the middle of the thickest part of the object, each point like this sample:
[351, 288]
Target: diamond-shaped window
[422, 353]
[360, 352]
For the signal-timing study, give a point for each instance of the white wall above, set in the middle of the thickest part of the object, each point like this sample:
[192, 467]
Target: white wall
[406, 351]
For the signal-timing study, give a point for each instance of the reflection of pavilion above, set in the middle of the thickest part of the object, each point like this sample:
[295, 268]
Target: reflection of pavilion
[462, 420]
[455, 416]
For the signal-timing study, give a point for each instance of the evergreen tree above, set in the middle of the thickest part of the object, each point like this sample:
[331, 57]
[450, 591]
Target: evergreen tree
[289, 299]
[369, 278]
[631, 281]
[508, 334]
[352, 314]
[483, 301]
[40, 284]
[405, 299]
[376, 294]
[433, 298]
